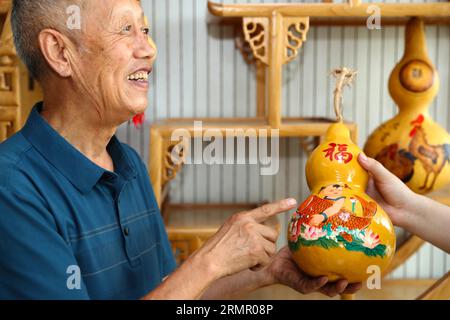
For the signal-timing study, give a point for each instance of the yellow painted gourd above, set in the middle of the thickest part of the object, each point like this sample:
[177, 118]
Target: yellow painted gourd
[411, 145]
[339, 231]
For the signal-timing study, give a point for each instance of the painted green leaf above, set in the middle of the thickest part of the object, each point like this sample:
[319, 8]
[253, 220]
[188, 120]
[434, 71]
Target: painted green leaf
[356, 245]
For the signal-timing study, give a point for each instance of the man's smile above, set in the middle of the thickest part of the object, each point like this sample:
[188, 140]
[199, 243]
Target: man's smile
[140, 78]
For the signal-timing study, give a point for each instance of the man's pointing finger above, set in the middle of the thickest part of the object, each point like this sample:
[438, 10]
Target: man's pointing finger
[271, 209]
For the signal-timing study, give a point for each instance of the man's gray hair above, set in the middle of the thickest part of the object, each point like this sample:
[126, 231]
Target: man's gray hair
[28, 19]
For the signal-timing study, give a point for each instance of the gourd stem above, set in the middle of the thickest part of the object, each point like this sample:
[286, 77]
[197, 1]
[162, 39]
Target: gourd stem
[344, 78]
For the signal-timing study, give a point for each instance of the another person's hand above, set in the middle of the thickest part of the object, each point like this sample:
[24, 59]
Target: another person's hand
[418, 214]
[388, 191]
[243, 242]
[283, 270]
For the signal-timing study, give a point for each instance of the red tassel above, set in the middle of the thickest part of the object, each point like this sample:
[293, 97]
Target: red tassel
[138, 120]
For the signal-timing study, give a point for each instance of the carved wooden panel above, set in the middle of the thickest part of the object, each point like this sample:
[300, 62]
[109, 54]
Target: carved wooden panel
[5, 83]
[244, 48]
[256, 31]
[174, 158]
[295, 30]
[258, 38]
[9, 85]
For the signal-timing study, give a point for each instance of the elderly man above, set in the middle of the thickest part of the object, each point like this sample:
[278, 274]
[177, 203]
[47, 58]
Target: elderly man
[74, 201]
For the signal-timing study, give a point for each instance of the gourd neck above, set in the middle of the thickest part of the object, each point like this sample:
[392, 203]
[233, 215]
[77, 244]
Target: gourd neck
[415, 40]
[414, 83]
[415, 112]
[338, 131]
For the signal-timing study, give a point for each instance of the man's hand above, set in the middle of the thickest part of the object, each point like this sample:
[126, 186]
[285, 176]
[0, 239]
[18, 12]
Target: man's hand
[243, 242]
[283, 270]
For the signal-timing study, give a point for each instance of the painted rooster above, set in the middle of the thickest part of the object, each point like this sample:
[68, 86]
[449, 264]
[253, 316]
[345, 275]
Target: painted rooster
[433, 158]
[398, 161]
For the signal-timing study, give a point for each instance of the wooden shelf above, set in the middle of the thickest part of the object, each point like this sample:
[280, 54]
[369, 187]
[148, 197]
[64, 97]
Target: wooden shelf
[162, 170]
[407, 289]
[340, 21]
[437, 10]
[273, 34]
[289, 128]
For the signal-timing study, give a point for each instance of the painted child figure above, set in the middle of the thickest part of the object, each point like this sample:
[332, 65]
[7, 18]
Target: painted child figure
[328, 207]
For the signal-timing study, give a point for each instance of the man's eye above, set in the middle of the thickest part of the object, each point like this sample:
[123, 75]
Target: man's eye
[127, 28]
[146, 30]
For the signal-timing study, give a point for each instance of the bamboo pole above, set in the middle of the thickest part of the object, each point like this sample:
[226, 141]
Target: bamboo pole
[156, 163]
[330, 9]
[276, 45]
[260, 89]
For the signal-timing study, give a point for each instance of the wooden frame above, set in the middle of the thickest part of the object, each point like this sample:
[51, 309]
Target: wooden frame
[353, 9]
[18, 92]
[9, 80]
[439, 291]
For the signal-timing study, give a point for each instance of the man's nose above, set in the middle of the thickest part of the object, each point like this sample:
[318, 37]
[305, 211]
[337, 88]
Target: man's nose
[145, 48]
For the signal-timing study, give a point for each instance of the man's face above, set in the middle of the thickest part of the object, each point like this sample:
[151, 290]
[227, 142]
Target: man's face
[115, 59]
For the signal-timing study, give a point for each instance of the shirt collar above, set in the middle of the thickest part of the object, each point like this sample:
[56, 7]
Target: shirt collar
[76, 167]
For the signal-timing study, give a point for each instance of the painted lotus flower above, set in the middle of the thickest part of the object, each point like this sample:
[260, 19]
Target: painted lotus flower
[311, 233]
[370, 239]
[293, 231]
[344, 216]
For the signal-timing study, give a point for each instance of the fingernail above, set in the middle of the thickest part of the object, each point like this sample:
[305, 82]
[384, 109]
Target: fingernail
[324, 280]
[363, 157]
[291, 202]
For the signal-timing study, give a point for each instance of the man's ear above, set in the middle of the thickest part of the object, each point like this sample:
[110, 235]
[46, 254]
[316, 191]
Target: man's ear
[54, 49]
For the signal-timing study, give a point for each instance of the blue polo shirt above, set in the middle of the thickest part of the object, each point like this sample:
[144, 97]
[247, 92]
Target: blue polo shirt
[72, 230]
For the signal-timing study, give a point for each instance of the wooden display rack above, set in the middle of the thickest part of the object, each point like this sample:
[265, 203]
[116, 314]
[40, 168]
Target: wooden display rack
[163, 170]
